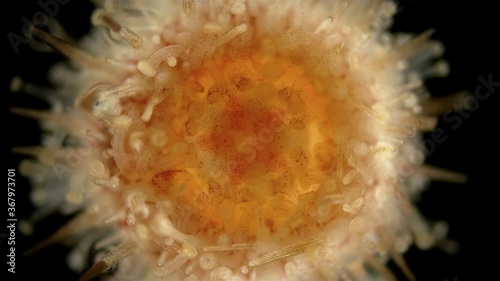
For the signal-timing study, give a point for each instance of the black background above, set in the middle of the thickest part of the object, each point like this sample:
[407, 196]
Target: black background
[469, 33]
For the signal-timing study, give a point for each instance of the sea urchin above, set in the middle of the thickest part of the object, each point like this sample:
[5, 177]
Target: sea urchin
[239, 140]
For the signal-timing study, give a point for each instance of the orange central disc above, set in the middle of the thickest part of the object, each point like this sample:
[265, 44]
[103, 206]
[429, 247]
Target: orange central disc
[226, 148]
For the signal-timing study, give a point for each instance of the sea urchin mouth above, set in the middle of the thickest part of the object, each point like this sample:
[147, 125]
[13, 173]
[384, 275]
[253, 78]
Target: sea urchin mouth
[246, 133]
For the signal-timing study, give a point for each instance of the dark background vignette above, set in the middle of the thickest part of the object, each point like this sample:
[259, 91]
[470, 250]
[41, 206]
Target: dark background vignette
[468, 31]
